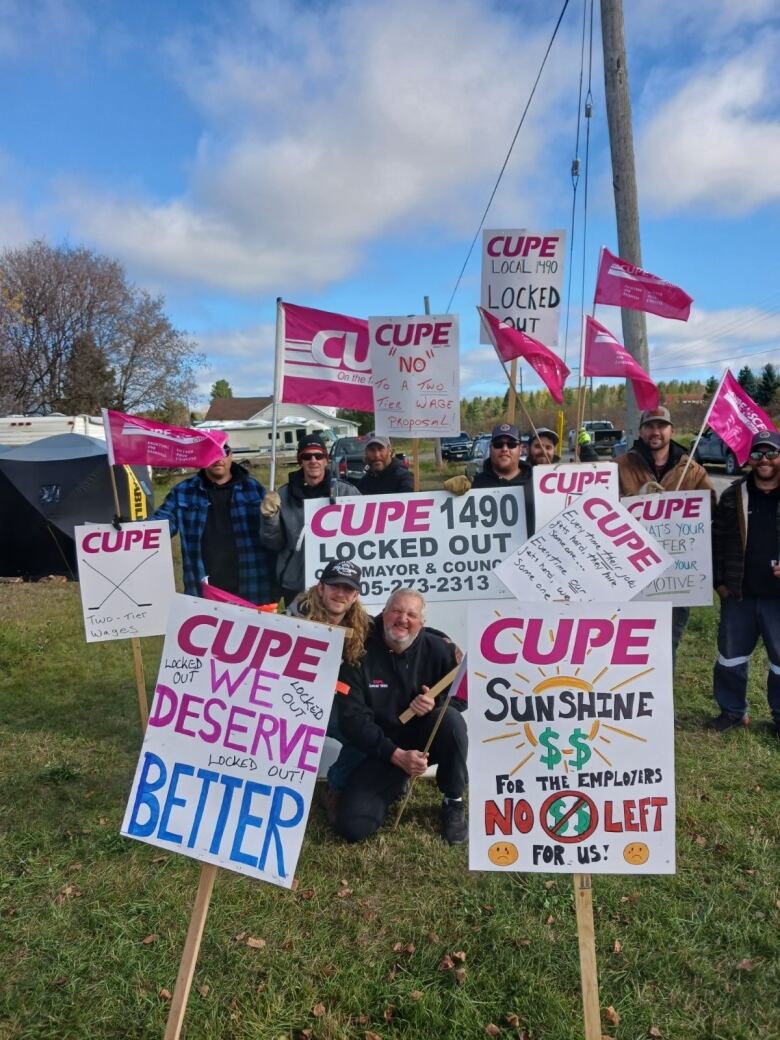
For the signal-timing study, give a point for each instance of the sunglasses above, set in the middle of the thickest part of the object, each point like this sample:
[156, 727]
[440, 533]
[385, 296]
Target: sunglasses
[505, 442]
[768, 453]
[313, 456]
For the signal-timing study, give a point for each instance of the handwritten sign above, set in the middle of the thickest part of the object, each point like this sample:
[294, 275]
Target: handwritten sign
[444, 546]
[680, 521]
[416, 375]
[593, 550]
[571, 739]
[125, 578]
[230, 756]
[556, 487]
[522, 274]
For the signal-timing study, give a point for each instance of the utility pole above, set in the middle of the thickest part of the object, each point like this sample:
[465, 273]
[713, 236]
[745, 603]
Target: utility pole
[621, 144]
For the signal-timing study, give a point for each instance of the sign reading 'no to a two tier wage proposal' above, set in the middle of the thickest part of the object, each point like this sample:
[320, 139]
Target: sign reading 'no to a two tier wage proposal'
[416, 375]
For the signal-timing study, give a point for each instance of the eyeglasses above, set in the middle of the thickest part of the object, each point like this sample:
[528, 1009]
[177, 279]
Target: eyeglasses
[505, 442]
[768, 453]
[313, 457]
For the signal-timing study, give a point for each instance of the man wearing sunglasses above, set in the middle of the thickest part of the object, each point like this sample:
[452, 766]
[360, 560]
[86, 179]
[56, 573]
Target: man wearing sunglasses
[746, 573]
[282, 512]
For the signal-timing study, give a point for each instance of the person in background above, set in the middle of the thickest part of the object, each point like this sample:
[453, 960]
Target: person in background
[543, 447]
[335, 600]
[656, 463]
[385, 474]
[746, 575]
[403, 660]
[216, 514]
[282, 512]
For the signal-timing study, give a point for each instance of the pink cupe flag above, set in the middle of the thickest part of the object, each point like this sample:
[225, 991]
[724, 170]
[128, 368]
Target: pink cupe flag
[621, 284]
[133, 441]
[736, 418]
[510, 343]
[604, 356]
[326, 359]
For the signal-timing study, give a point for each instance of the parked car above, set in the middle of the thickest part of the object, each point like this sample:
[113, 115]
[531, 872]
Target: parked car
[603, 435]
[620, 447]
[712, 450]
[348, 457]
[479, 452]
[454, 448]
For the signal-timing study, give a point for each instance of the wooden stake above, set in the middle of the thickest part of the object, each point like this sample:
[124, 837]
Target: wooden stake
[408, 714]
[591, 1011]
[425, 751]
[189, 956]
[140, 685]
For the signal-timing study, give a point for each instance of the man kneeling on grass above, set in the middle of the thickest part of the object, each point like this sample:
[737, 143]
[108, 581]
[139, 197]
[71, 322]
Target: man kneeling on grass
[403, 660]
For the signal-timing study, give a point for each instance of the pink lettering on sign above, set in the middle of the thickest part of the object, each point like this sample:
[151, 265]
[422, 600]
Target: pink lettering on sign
[619, 532]
[568, 483]
[202, 633]
[354, 517]
[656, 508]
[120, 541]
[413, 333]
[628, 639]
[522, 245]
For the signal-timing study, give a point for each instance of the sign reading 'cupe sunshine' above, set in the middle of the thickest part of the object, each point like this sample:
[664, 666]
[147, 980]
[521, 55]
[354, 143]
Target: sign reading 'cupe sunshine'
[230, 756]
[571, 741]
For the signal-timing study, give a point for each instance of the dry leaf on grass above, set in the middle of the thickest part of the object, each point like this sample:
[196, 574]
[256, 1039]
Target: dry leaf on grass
[360, 1020]
[256, 944]
[549, 920]
[700, 840]
[397, 947]
[60, 981]
[159, 859]
[240, 937]
[371, 1036]
[512, 1020]
[654, 1031]
[150, 939]
[416, 994]
[409, 948]
[522, 942]
[492, 1030]
[319, 1009]
[460, 976]
[434, 938]
[164, 994]
[304, 1034]
[618, 947]
[612, 1016]
[343, 893]
[204, 990]
[746, 965]
[459, 955]
[307, 893]
[388, 1013]
[69, 891]
[446, 963]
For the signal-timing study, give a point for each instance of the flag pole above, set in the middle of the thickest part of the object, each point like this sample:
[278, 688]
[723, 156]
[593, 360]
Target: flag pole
[278, 365]
[701, 429]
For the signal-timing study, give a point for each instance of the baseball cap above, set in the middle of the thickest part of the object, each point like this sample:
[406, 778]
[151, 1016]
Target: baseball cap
[505, 430]
[770, 437]
[383, 442]
[342, 572]
[655, 415]
[543, 431]
[311, 440]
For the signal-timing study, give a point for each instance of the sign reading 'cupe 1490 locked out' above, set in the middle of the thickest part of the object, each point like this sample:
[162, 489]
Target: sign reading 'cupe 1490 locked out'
[522, 274]
[443, 546]
[571, 742]
[231, 752]
[416, 375]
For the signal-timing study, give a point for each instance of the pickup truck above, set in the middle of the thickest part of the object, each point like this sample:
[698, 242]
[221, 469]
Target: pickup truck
[603, 435]
[713, 451]
[456, 447]
[348, 458]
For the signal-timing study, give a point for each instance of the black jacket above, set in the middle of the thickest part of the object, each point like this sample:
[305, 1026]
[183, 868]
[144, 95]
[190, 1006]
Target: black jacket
[729, 536]
[384, 684]
[394, 479]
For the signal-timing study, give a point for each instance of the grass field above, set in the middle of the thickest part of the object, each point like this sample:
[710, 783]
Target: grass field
[392, 939]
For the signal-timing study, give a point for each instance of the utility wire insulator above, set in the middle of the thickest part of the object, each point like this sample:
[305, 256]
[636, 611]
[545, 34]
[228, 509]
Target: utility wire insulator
[575, 168]
[588, 109]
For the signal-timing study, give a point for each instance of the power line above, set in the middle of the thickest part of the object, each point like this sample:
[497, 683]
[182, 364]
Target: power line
[508, 154]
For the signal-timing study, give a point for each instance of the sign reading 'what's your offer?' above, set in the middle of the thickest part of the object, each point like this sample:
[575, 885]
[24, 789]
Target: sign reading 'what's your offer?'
[232, 748]
[415, 363]
[571, 739]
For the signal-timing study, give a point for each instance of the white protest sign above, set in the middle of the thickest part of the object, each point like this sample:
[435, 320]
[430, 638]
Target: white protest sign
[571, 739]
[680, 521]
[441, 545]
[556, 487]
[415, 363]
[522, 274]
[125, 578]
[593, 550]
[230, 756]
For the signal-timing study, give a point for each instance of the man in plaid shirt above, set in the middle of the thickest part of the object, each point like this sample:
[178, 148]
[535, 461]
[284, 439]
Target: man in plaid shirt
[216, 514]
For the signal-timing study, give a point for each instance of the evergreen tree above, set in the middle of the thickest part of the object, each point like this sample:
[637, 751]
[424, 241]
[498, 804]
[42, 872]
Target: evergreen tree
[710, 387]
[221, 389]
[768, 386]
[747, 381]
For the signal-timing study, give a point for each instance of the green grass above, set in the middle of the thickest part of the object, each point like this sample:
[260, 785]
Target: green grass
[697, 954]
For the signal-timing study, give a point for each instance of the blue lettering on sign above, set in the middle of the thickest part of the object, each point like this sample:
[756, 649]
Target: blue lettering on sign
[156, 797]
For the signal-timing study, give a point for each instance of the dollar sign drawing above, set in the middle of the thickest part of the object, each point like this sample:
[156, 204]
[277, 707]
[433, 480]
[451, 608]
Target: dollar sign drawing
[578, 741]
[557, 810]
[553, 756]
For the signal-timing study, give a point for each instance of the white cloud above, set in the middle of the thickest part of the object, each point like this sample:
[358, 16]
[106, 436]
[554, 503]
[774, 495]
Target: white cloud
[352, 122]
[716, 142]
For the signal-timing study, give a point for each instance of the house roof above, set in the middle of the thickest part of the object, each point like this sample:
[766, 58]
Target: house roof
[236, 407]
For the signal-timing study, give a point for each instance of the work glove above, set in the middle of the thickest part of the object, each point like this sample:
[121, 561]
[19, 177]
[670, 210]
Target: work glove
[583, 437]
[270, 505]
[458, 485]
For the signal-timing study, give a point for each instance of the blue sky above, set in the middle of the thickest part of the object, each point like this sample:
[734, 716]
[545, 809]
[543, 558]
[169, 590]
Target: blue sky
[340, 154]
